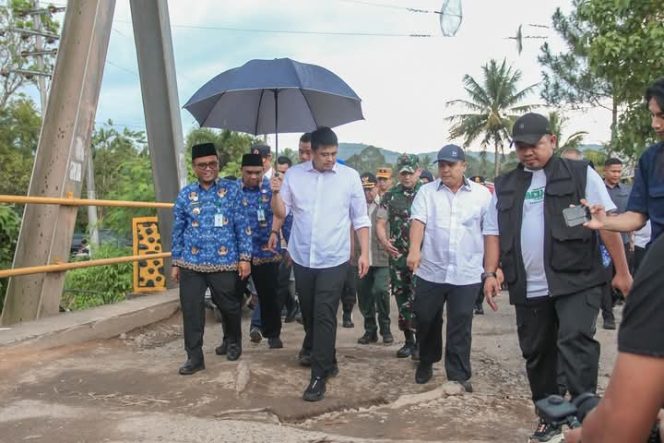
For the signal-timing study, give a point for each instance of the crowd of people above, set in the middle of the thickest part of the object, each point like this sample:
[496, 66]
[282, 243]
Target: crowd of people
[435, 242]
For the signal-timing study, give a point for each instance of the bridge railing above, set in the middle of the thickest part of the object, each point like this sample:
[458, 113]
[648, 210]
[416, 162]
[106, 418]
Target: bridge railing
[71, 201]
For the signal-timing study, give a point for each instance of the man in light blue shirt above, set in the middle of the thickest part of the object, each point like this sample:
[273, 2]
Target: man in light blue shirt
[326, 199]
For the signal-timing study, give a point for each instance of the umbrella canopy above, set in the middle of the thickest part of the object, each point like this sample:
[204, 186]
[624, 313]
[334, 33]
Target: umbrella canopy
[272, 96]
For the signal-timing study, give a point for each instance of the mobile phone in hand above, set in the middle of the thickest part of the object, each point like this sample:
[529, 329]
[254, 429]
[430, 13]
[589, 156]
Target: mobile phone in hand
[576, 215]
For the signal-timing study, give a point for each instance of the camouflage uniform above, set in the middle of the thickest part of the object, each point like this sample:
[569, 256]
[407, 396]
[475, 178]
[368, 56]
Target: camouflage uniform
[395, 208]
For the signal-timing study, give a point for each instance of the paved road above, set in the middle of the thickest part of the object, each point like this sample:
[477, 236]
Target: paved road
[127, 390]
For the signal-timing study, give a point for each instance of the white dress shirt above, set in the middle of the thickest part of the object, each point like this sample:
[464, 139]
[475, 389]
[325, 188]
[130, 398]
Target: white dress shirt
[453, 245]
[269, 174]
[324, 206]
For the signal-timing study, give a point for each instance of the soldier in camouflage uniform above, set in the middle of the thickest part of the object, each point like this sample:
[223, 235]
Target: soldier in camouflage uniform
[394, 210]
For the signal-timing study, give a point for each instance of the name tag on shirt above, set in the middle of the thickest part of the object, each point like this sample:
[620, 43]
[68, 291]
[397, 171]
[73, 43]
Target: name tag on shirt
[218, 220]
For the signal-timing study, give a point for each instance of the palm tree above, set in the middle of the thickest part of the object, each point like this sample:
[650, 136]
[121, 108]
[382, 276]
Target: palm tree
[557, 122]
[493, 105]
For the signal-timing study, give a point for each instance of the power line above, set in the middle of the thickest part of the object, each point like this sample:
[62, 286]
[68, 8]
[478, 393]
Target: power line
[121, 68]
[290, 31]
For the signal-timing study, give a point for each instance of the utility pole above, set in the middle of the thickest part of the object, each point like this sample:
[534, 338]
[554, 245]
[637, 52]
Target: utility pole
[41, 81]
[43, 74]
[46, 230]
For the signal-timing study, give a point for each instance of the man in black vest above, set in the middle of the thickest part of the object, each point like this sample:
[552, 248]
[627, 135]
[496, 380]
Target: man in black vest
[554, 272]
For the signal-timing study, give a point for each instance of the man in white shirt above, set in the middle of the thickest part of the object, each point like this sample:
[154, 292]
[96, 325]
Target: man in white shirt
[266, 155]
[446, 253]
[326, 199]
[553, 271]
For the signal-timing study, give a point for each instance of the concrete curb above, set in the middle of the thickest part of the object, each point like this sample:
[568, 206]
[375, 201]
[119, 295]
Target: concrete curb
[98, 323]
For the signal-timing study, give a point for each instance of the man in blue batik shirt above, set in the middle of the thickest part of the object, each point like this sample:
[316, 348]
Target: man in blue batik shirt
[211, 247]
[256, 197]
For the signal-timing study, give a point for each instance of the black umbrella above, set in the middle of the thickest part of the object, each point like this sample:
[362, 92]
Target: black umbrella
[272, 96]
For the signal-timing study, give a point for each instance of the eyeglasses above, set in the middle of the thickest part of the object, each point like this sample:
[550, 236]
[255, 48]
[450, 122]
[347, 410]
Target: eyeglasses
[204, 166]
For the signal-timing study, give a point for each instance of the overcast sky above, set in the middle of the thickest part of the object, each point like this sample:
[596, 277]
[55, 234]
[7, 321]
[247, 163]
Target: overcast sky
[404, 82]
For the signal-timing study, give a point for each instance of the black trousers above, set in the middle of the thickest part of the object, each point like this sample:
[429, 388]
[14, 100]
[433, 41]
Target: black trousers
[265, 280]
[284, 295]
[349, 293]
[319, 291]
[225, 294]
[560, 328]
[430, 299]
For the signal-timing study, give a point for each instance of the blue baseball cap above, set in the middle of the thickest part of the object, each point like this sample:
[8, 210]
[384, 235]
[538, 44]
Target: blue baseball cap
[451, 154]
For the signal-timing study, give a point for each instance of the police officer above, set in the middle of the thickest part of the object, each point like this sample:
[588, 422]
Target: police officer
[211, 246]
[395, 209]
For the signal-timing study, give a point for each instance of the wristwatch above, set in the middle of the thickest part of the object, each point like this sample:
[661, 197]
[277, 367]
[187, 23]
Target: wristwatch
[486, 275]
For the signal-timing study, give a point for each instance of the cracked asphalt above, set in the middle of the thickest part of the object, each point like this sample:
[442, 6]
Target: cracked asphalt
[127, 389]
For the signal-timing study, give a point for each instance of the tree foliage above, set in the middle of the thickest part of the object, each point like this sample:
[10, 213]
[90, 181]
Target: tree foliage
[614, 49]
[9, 225]
[557, 123]
[20, 124]
[99, 285]
[13, 43]
[493, 104]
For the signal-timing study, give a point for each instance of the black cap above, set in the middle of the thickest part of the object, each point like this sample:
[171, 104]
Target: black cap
[203, 150]
[426, 174]
[252, 160]
[451, 154]
[368, 180]
[530, 128]
[263, 150]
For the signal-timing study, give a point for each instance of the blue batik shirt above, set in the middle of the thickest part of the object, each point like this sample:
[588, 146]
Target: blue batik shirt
[211, 232]
[256, 203]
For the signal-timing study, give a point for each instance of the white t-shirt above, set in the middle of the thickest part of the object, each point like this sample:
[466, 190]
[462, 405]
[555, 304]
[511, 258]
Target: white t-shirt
[642, 236]
[532, 227]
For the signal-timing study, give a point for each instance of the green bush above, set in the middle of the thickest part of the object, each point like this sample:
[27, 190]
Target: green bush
[10, 223]
[99, 285]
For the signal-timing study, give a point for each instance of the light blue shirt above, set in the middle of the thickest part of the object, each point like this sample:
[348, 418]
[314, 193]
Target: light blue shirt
[324, 206]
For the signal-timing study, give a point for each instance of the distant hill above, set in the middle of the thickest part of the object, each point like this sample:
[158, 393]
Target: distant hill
[348, 149]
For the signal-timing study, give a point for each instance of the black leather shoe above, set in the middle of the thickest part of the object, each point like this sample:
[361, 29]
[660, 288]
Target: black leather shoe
[406, 350]
[304, 358]
[275, 343]
[423, 373]
[367, 338]
[415, 355]
[222, 349]
[347, 322]
[388, 338]
[479, 310]
[316, 390]
[233, 351]
[466, 385]
[190, 367]
[255, 335]
[333, 372]
[609, 324]
[290, 315]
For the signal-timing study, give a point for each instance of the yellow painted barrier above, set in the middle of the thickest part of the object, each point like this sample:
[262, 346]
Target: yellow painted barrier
[60, 267]
[70, 201]
[148, 274]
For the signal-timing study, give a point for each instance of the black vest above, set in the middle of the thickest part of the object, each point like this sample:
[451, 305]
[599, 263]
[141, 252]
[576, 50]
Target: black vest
[572, 260]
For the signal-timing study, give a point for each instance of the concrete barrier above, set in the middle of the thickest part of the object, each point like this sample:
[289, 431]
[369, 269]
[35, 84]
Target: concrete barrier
[91, 324]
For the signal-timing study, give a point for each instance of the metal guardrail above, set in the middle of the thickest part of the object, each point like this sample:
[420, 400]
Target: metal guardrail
[71, 201]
